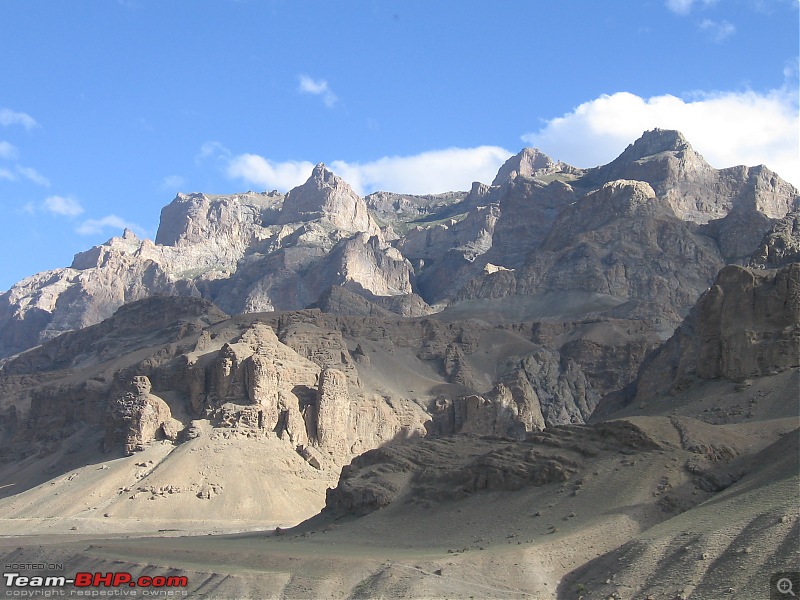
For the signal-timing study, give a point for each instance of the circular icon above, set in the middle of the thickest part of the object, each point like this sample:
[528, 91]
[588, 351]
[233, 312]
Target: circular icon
[784, 586]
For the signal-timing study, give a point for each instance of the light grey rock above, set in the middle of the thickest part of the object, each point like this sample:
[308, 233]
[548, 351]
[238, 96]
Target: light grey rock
[531, 163]
[327, 197]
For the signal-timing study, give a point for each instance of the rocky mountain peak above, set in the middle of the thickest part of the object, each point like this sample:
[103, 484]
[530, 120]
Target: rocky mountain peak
[192, 219]
[327, 196]
[323, 173]
[530, 162]
[659, 155]
[656, 141]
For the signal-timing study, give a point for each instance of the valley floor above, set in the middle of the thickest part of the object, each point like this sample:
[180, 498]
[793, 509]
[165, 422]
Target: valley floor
[626, 525]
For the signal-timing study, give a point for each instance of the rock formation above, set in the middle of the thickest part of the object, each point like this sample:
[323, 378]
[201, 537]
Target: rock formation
[781, 246]
[541, 390]
[328, 198]
[333, 412]
[622, 242]
[738, 203]
[530, 163]
[411, 353]
[437, 470]
[137, 417]
[746, 325]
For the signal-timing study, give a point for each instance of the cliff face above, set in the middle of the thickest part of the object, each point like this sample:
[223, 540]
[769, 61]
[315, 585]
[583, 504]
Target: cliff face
[746, 325]
[543, 389]
[622, 242]
[781, 246]
[738, 203]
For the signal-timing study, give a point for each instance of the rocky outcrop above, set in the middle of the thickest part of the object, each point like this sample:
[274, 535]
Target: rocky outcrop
[232, 222]
[531, 163]
[333, 412]
[457, 467]
[665, 160]
[48, 304]
[622, 242]
[541, 390]
[397, 210]
[243, 252]
[528, 210]
[363, 261]
[781, 246]
[746, 325]
[133, 326]
[447, 253]
[357, 302]
[304, 388]
[323, 346]
[328, 198]
[256, 382]
[137, 417]
[758, 197]
[739, 204]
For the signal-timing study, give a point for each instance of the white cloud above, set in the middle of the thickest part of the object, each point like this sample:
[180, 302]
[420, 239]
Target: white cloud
[317, 88]
[63, 206]
[684, 7]
[10, 117]
[7, 150]
[33, 175]
[426, 173]
[791, 70]
[6, 174]
[269, 174]
[95, 226]
[727, 128]
[718, 30]
[212, 149]
[681, 7]
[172, 182]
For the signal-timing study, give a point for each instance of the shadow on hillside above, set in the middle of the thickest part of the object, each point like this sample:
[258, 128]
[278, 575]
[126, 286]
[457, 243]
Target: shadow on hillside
[82, 448]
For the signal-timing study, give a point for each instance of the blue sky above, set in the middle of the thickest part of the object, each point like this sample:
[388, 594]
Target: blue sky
[110, 107]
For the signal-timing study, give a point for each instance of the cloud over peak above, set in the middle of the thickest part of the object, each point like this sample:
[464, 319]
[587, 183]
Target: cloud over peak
[96, 226]
[766, 131]
[268, 174]
[429, 172]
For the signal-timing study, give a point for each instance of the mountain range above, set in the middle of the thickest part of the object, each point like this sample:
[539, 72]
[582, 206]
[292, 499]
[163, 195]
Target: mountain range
[566, 383]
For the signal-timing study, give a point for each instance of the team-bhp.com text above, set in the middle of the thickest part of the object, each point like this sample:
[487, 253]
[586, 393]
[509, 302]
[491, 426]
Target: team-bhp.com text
[94, 584]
